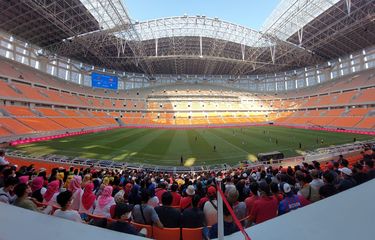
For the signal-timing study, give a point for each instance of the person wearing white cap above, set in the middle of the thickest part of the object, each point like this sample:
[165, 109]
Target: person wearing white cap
[186, 201]
[291, 201]
[346, 181]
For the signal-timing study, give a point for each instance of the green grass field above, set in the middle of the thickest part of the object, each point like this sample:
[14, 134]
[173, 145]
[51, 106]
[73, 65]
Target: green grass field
[165, 147]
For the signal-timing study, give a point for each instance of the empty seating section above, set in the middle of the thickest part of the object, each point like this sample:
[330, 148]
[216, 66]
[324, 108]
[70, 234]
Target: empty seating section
[91, 122]
[119, 104]
[18, 111]
[41, 124]
[69, 112]
[6, 69]
[69, 123]
[140, 105]
[83, 100]
[167, 106]
[365, 96]
[311, 102]
[115, 114]
[95, 102]
[325, 100]
[53, 95]
[14, 126]
[4, 132]
[70, 99]
[347, 121]
[30, 92]
[73, 106]
[8, 92]
[353, 82]
[107, 121]
[85, 113]
[314, 113]
[129, 105]
[107, 103]
[48, 112]
[345, 97]
[368, 123]
[333, 112]
[99, 114]
[359, 111]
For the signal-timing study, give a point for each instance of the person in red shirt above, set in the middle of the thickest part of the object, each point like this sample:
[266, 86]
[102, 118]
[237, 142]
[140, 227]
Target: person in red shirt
[249, 201]
[211, 191]
[160, 190]
[186, 201]
[275, 192]
[176, 196]
[264, 208]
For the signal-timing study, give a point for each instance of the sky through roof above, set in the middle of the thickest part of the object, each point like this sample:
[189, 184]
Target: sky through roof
[249, 13]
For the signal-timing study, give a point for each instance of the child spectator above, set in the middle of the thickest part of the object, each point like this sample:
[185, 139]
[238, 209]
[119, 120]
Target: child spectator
[64, 200]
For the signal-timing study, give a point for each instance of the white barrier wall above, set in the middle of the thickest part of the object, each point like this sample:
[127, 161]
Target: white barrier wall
[349, 215]
[20, 224]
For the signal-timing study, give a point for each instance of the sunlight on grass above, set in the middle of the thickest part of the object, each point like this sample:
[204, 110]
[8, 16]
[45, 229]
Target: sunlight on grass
[252, 157]
[300, 152]
[190, 162]
[65, 141]
[91, 146]
[125, 155]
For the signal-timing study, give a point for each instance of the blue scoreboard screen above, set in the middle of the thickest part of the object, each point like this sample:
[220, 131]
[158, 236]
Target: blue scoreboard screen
[99, 80]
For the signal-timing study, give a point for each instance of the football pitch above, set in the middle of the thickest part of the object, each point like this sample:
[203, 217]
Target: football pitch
[196, 146]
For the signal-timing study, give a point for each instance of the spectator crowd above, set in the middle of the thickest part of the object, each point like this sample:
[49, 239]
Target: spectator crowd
[117, 198]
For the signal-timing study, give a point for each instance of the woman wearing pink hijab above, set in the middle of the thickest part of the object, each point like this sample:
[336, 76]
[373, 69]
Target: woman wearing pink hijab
[53, 189]
[24, 179]
[87, 200]
[75, 188]
[104, 202]
[37, 189]
[52, 192]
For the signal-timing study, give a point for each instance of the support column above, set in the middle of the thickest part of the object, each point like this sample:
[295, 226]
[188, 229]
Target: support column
[156, 47]
[300, 35]
[220, 216]
[273, 52]
[348, 6]
[200, 46]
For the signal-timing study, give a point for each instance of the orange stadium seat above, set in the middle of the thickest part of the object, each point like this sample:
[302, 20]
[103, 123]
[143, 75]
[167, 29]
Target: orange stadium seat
[7, 91]
[48, 112]
[166, 233]
[365, 96]
[4, 131]
[69, 112]
[347, 121]
[41, 124]
[30, 92]
[139, 226]
[368, 123]
[15, 126]
[345, 97]
[18, 111]
[192, 233]
[69, 122]
[359, 111]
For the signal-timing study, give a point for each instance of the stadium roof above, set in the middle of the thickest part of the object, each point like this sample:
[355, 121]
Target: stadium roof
[298, 33]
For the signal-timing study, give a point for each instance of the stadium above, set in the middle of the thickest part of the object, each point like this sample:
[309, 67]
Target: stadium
[230, 120]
